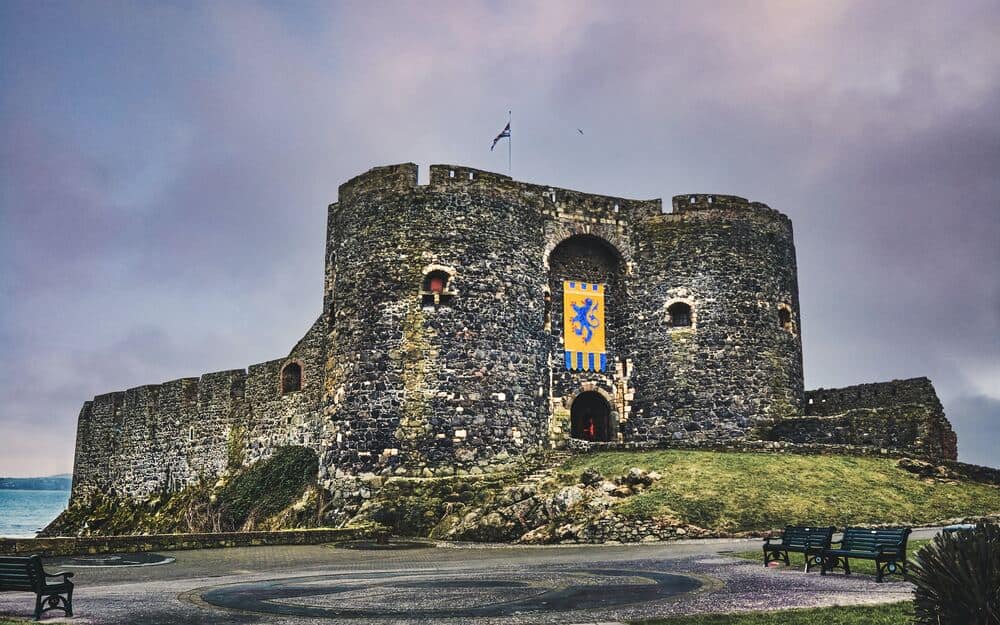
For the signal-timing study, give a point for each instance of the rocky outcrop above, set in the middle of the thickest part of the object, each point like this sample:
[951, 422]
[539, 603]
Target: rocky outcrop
[547, 512]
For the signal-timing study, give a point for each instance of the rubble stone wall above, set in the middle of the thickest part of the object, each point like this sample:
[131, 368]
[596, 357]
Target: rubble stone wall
[904, 415]
[400, 380]
[160, 437]
[736, 367]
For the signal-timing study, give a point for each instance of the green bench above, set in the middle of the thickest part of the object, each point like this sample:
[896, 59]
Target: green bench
[887, 547]
[26, 574]
[809, 541]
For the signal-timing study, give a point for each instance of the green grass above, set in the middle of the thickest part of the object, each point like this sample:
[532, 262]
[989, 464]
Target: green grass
[753, 491]
[797, 560]
[890, 614]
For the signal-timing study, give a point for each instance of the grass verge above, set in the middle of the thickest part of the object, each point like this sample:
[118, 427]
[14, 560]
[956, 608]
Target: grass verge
[888, 614]
[736, 492]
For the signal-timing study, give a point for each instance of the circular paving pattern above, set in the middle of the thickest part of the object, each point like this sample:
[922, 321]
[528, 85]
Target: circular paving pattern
[451, 595]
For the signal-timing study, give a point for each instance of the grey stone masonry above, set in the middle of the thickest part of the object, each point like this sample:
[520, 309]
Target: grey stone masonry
[439, 347]
[902, 414]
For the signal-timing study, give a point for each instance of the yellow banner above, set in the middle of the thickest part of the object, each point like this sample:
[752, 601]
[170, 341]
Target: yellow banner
[583, 326]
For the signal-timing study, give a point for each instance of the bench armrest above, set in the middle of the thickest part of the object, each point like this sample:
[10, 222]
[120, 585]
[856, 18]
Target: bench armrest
[66, 574]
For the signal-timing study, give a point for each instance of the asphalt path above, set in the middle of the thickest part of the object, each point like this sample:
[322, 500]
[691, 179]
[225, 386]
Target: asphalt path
[453, 584]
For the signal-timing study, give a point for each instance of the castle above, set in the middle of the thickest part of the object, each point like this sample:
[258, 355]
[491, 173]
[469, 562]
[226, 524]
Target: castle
[475, 318]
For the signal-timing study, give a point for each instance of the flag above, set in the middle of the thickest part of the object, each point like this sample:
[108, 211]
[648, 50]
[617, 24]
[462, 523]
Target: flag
[503, 133]
[583, 326]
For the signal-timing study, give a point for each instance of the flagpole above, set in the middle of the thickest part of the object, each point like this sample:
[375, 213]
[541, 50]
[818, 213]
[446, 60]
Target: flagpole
[509, 139]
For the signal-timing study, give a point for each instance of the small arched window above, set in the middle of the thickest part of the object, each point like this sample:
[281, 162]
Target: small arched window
[291, 378]
[785, 318]
[436, 282]
[434, 288]
[679, 315]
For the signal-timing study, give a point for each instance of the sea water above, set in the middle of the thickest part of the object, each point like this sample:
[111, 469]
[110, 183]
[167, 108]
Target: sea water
[23, 513]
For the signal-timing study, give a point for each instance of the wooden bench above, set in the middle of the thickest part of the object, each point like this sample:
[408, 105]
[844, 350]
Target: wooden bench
[887, 547]
[27, 574]
[809, 541]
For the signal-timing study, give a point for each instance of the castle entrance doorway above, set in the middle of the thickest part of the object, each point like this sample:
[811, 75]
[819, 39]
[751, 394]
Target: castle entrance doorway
[590, 417]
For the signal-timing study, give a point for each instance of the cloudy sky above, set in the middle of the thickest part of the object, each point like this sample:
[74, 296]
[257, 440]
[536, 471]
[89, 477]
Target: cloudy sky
[165, 169]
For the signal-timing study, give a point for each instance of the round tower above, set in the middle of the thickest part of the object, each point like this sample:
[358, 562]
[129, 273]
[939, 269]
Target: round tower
[717, 349]
[435, 301]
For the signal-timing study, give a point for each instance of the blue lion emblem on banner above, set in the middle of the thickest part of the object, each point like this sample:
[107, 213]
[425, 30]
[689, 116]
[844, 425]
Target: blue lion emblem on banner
[585, 319]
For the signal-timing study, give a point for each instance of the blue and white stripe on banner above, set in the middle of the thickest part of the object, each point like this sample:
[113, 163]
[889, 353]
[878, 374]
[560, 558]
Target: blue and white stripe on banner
[585, 361]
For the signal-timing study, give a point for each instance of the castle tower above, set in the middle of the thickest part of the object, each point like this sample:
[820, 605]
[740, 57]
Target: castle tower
[718, 349]
[448, 344]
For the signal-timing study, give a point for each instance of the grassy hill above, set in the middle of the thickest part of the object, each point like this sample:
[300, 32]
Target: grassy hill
[633, 496]
[753, 491]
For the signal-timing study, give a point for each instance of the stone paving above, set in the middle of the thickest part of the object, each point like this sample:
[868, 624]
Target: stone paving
[453, 584]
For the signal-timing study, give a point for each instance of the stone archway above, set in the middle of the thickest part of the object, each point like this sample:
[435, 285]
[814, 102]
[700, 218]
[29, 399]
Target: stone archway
[590, 417]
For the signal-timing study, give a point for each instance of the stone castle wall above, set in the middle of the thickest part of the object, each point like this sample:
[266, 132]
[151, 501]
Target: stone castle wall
[902, 414]
[397, 379]
[737, 366]
[161, 437]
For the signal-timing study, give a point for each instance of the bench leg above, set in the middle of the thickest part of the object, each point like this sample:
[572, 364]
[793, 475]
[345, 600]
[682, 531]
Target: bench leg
[830, 563]
[888, 568]
[55, 601]
[774, 556]
[812, 559]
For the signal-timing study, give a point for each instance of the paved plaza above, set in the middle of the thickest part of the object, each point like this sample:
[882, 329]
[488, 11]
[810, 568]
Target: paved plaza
[482, 584]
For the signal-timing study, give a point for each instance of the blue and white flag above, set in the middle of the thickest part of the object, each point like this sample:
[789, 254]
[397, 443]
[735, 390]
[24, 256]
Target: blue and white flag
[503, 133]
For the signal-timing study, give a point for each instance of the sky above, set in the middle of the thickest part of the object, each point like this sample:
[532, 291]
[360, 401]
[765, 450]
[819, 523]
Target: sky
[165, 169]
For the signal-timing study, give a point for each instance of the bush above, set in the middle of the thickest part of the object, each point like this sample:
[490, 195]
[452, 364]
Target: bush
[957, 578]
[267, 487]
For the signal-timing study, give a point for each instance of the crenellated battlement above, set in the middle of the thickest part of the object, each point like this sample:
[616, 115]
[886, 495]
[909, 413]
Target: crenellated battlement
[385, 179]
[557, 201]
[694, 202]
[702, 201]
[450, 178]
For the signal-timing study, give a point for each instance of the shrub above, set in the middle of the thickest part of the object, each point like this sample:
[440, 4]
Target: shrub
[957, 578]
[267, 487]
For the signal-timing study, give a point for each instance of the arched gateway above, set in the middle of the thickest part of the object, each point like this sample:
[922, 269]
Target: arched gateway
[590, 417]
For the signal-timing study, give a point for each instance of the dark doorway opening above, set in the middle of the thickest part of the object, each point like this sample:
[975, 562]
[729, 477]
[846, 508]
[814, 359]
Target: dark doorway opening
[590, 417]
